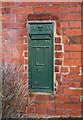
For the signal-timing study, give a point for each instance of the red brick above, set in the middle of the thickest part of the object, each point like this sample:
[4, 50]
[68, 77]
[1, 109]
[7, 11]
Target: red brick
[71, 77]
[56, 16]
[40, 110]
[72, 62]
[22, 4]
[58, 76]
[15, 54]
[51, 111]
[72, 3]
[48, 104]
[1, 4]
[59, 112]
[41, 97]
[18, 61]
[25, 39]
[72, 32]
[56, 69]
[58, 62]
[75, 8]
[75, 113]
[30, 110]
[81, 54]
[59, 90]
[75, 99]
[65, 39]
[75, 84]
[41, 16]
[8, 19]
[74, 16]
[25, 54]
[16, 25]
[57, 40]
[26, 62]
[62, 99]
[72, 47]
[43, 104]
[22, 32]
[51, 97]
[58, 47]
[21, 17]
[75, 40]
[62, 24]
[9, 32]
[53, 9]
[5, 10]
[26, 68]
[81, 106]
[75, 24]
[21, 47]
[64, 69]
[82, 69]
[17, 40]
[65, 84]
[8, 4]
[6, 54]
[75, 55]
[1, 10]
[76, 106]
[27, 10]
[8, 47]
[57, 105]
[59, 31]
[0, 19]
[55, 3]
[39, 9]
[66, 54]
[81, 113]
[66, 113]
[58, 54]
[74, 70]
[6, 40]
[72, 92]
[82, 40]
[72, 106]
[25, 4]
[8, 60]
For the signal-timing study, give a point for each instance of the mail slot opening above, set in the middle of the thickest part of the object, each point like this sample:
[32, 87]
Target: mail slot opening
[40, 36]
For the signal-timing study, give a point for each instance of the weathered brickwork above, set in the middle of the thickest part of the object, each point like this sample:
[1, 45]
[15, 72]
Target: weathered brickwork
[68, 53]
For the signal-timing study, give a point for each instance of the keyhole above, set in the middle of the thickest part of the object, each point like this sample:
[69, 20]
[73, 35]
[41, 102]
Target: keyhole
[37, 69]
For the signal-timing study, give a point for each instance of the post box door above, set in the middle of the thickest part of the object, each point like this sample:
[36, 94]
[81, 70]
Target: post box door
[40, 51]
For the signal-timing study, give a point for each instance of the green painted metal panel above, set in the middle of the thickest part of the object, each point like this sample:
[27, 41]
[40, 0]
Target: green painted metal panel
[40, 56]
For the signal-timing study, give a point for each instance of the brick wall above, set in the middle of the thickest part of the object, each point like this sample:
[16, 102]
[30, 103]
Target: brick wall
[67, 98]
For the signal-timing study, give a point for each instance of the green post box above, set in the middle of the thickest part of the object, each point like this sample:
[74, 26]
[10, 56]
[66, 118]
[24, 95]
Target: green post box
[40, 56]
